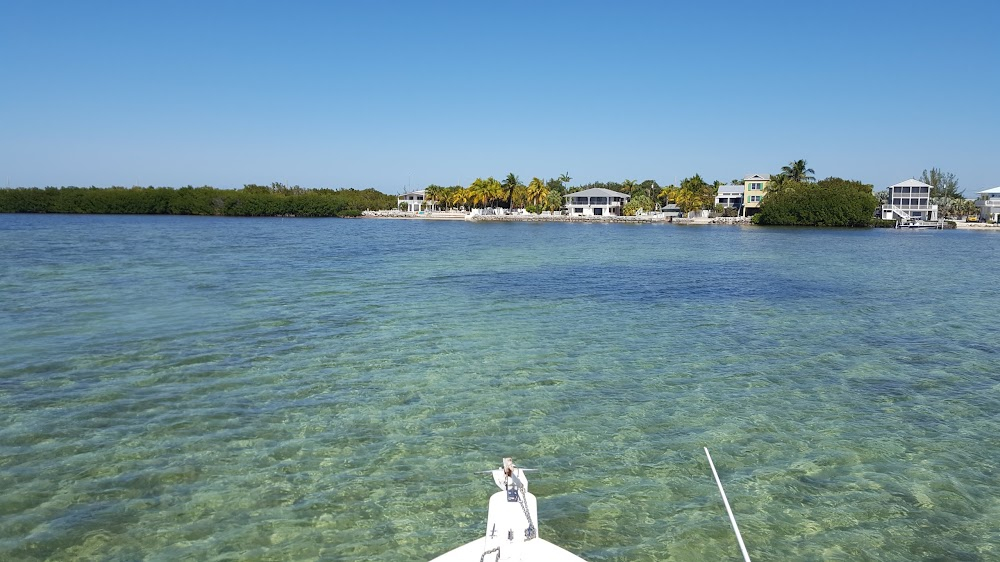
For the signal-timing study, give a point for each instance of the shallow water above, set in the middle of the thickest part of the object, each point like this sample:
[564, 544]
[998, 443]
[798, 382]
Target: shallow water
[275, 389]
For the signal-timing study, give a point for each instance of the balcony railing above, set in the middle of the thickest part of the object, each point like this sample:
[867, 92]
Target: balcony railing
[595, 201]
[912, 207]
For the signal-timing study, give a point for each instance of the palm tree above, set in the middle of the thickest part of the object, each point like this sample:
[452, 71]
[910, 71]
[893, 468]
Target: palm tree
[779, 183]
[968, 207]
[553, 201]
[493, 191]
[447, 197]
[510, 184]
[564, 178]
[666, 192]
[521, 196]
[462, 197]
[432, 196]
[628, 186]
[693, 194]
[797, 171]
[650, 189]
[479, 192]
[536, 192]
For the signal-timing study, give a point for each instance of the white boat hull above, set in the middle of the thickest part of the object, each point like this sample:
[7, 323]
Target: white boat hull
[511, 527]
[536, 550]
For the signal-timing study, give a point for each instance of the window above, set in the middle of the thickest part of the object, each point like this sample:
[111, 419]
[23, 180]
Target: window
[578, 209]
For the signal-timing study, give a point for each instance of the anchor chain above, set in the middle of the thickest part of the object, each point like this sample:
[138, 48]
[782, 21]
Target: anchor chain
[530, 532]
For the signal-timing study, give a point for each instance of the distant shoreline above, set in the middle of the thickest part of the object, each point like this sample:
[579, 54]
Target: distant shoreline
[644, 219]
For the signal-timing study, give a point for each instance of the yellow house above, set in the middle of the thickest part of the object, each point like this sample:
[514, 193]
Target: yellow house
[754, 190]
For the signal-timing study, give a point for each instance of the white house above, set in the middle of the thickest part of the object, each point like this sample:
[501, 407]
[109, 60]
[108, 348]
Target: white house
[989, 204]
[730, 196]
[595, 202]
[910, 199]
[415, 201]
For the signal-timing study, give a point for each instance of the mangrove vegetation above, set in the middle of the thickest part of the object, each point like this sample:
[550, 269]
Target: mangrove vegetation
[275, 200]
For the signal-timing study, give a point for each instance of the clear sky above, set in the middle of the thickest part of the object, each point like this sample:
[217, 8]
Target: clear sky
[393, 95]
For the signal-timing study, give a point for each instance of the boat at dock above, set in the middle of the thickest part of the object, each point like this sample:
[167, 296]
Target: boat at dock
[917, 223]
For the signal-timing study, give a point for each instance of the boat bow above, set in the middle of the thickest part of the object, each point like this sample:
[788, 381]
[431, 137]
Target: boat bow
[511, 526]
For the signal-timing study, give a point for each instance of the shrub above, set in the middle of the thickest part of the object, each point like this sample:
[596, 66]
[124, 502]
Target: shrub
[830, 202]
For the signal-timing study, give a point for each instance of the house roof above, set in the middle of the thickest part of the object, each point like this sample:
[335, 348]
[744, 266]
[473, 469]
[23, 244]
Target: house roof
[911, 183]
[990, 190]
[731, 188]
[417, 192]
[596, 192]
[757, 177]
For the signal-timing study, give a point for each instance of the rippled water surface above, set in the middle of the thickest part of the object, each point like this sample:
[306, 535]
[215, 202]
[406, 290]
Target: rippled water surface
[180, 388]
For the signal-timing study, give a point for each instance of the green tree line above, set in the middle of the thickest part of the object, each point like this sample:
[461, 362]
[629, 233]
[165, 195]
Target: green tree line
[253, 200]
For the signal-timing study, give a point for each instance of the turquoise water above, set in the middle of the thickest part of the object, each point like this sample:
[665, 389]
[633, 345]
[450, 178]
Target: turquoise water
[180, 388]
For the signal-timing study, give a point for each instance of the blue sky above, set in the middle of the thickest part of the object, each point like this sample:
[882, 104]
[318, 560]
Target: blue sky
[396, 94]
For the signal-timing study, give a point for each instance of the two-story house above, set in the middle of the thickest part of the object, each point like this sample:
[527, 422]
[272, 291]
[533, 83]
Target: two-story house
[415, 201]
[730, 196]
[595, 202]
[989, 204]
[910, 199]
[754, 190]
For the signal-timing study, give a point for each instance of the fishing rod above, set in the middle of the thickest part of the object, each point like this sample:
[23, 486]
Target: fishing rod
[729, 510]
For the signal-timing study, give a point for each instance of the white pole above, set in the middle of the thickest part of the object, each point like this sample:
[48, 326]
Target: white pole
[729, 510]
